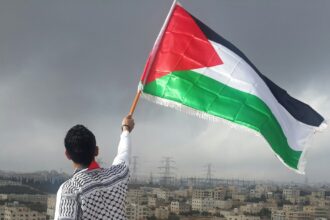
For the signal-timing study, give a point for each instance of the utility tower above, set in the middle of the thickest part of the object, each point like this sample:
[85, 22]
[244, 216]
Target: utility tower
[166, 171]
[151, 179]
[134, 168]
[209, 174]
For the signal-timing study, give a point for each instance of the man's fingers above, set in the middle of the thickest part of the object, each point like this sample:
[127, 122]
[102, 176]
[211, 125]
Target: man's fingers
[129, 122]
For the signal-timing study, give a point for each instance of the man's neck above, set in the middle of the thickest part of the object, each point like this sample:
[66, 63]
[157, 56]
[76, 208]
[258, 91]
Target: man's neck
[78, 166]
[93, 165]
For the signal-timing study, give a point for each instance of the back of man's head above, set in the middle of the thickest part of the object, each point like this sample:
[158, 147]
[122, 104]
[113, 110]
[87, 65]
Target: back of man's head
[80, 145]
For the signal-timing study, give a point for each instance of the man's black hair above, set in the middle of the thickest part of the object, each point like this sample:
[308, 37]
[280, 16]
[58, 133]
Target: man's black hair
[80, 144]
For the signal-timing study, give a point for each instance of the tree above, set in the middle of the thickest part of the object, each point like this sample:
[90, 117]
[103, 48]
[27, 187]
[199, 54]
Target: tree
[173, 216]
[264, 212]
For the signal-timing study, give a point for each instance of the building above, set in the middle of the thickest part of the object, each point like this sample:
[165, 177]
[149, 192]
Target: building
[251, 208]
[3, 197]
[16, 211]
[317, 211]
[202, 205]
[223, 204]
[137, 212]
[51, 203]
[137, 196]
[202, 193]
[164, 194]
[179, 207]
[291, 194]
[271, 204]
[33, 198]
[9, 183]
[181, 193]
[162, 212]
[288, 208]
[318, 194]
[263, 190]
[2, 212]
[152, 201]
[297, 215]
[219, 193]
[200, 218]
[278, 215]
[175, 207]
[241, 217]
[197, 204]
[239, 197]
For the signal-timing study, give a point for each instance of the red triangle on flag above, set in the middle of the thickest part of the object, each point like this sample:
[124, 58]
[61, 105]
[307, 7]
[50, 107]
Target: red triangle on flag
[183, 47]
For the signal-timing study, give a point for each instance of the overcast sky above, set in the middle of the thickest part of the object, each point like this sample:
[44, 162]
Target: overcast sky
[79, 61]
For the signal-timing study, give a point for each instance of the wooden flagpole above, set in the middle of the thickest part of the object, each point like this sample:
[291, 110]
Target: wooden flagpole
[135, 101]
[152, 57]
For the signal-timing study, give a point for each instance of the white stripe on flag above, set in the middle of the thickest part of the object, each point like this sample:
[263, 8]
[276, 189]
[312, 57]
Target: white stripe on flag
[236, 73]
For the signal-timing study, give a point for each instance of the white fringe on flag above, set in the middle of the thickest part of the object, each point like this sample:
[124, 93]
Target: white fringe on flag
[204, 115]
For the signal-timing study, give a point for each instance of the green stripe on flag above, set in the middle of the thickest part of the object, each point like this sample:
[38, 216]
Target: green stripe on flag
[208, 95]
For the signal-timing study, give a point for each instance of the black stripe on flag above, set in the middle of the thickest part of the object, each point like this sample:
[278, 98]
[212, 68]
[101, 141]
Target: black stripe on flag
[299, 110]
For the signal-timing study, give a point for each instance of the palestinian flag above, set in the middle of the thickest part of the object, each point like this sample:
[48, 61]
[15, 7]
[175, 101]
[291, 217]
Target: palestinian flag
[193, 69]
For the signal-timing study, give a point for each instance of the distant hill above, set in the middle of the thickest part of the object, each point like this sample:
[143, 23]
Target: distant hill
[19, 190]
[32, 183]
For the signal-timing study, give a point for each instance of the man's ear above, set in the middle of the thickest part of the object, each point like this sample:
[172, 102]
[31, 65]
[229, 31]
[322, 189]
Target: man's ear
[67, 155]
[96, 151]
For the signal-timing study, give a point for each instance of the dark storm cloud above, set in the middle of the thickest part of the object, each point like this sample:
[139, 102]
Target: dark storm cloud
[66, 62]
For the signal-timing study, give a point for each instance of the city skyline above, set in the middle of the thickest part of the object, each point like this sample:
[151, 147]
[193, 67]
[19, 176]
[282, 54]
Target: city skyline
[65, 63]
[187, 199]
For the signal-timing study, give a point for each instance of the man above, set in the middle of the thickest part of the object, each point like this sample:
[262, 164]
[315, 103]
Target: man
[93, 192]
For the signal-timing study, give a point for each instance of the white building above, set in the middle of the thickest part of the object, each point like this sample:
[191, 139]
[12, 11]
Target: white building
[242, 217]
[223, 204]
[278, 215]
[179, 207]
[2, 212]
[136, 196]
[202, 205]
[239, 197]
[291, 194]
[175, 207]
[251, 208]
[15, 211]
[288, 208]
[319, 194]
[162, 212]
[137, 212]
[297, 215]
[263, 189]
[181, 193]
[9, 183]
[202, 193]
[317, 211]
[152, 201]
[34, 198]
[219, 193]
[197, 204]
[51, 203]
[164, 194]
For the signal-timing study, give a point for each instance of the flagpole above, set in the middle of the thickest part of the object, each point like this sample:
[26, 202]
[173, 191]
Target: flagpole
[152, 57]
[135, 101]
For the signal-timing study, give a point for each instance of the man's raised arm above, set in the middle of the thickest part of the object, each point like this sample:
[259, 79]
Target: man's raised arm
[124, 147]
